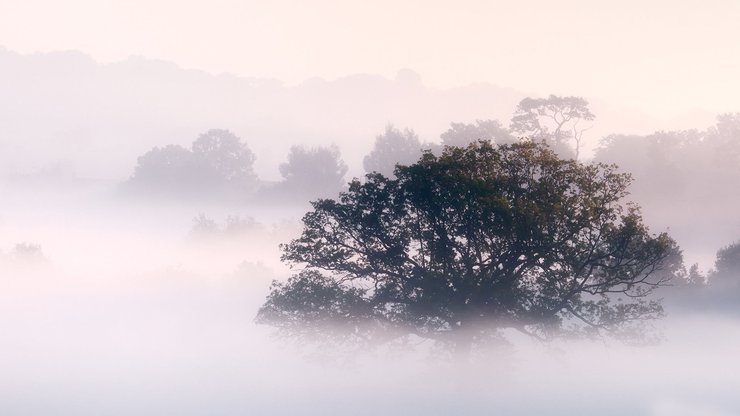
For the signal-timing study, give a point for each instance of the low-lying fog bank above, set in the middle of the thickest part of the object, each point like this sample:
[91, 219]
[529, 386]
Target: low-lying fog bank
[175, 342]
[110, 308]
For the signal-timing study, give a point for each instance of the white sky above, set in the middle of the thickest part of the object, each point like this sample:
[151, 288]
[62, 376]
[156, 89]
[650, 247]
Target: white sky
[663, 57]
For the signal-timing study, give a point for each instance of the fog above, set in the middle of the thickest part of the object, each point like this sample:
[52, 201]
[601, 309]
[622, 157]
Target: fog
[165, 339]
[144, 205]
[63, 106]
[130, 309]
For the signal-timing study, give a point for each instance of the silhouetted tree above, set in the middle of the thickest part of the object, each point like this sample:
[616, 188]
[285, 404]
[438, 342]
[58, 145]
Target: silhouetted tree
[314, 172]
[726, 271]
[391, 148]
[28, 252]
[204, 226]
[461, 134]
[462, 245]
[555, 120]
[724, 139]
[218, 164]
[234, 226]
[684, 174]
[657, 161]
[169, 167]
[223, 159]
[720, 291]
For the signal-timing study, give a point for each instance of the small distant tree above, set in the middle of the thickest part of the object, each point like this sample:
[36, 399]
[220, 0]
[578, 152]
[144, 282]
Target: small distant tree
[719, 291]
[462, 135]
[313, 172]
[28, 252]
[555, 120]
[168, 167]
[234, 226]
[459, 246]
[222, 158]
[726, 271]
[723, 138]
[204, 226]
[391, 148]
[217, 164]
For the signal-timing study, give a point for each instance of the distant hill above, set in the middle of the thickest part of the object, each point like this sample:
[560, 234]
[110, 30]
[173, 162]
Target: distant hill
[64, 108]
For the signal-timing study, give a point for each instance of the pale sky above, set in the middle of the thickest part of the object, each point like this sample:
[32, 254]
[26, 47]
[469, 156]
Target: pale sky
[662, 57]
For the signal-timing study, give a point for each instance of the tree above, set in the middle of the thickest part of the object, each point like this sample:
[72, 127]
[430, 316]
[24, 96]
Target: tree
[726, 272]
[720, 290]
[391, 148]
[555, 120]
[168, 168]
[662, 163]
[460, 246]
[218, 163]
[461, 134]
[222, 158]
[318, 171]
[728, 260]
[723, 138]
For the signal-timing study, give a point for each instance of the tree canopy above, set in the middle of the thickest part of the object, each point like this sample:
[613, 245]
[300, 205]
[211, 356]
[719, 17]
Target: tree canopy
[718, 291]
[462, 134]
[728, 260]
[724, 278]
[459, 246]
[166, 167]
[313, 172]
[555, 120]
[223, 156]
[218, 163]
[392, 147]
[684, 174]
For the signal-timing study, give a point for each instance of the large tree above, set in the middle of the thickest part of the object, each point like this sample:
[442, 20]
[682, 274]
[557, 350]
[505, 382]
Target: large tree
[460, 246]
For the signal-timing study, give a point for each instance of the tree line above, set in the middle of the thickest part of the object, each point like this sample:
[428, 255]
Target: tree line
[221, 165]
[496, 227]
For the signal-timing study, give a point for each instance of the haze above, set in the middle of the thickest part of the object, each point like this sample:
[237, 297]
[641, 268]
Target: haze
[155, 154]
[662, 57]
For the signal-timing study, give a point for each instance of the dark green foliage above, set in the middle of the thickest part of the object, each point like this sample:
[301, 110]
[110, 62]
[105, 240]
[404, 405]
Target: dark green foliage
[473, 241]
